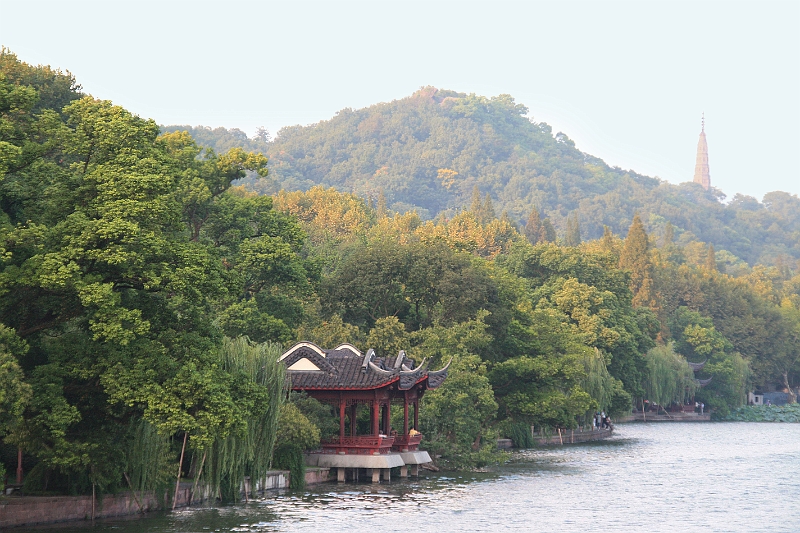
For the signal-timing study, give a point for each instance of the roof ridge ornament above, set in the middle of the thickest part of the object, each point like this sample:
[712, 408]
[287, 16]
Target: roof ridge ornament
[437, 377]
[367, 360]
[420, 368]
[348, 346]
[302, 344]
[378, 369]
[443, 369]
[400, 358]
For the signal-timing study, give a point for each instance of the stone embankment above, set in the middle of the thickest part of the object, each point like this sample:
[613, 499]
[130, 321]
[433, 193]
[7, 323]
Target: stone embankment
[18, 511]
[572, 436]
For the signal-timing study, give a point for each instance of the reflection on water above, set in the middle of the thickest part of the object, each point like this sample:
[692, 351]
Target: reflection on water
[650, 477]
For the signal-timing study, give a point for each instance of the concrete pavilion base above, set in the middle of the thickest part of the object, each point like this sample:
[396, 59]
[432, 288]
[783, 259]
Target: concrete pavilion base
[413, 459]
[374, 465]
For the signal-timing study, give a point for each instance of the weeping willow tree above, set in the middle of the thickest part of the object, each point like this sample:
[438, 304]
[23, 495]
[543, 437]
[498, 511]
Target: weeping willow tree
[669, 378]
[607, 391]
[148, 461]
[222, 467]
[597, 381]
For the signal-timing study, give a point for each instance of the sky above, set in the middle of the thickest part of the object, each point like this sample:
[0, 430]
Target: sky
[627, 81]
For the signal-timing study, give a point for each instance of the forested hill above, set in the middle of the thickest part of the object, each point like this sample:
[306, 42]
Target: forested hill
[430, 151]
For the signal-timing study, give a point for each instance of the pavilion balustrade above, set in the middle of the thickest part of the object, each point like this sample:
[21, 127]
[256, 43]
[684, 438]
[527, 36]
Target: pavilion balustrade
[406, 443]
[359, 445]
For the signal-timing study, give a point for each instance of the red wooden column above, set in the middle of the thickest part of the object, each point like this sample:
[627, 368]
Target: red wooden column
[376, 410]
[341, 418]
[405, 413]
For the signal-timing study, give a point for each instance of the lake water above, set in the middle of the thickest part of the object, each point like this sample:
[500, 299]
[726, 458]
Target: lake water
[654, 477]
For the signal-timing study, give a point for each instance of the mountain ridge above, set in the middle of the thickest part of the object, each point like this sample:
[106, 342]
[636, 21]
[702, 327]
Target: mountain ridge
[430, 151]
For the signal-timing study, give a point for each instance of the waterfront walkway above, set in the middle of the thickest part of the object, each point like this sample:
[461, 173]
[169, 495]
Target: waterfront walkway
[668, 417]
[572, 436]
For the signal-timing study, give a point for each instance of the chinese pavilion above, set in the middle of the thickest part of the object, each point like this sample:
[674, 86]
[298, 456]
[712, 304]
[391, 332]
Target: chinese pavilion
[347, 379]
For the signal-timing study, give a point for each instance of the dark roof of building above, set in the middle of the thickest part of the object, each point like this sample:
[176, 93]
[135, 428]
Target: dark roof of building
[346, 368]
[697, 366]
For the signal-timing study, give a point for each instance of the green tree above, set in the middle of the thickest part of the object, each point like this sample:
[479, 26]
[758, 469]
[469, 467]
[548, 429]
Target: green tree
[533, 227]
[417, 283]
[669, 378]
[382, 210]
[388, 337]
[112, 281]
[592, 296]
[635, 257]
[487, 210]
[456, 418]
[669, 234]
[548, 231]
[244, 446]
[573, 237]
[475, 206]
[711, 261]
[15, 393]
[331, 333]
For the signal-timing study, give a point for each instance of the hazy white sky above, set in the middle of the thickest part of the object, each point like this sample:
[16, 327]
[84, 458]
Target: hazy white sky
[627, 81]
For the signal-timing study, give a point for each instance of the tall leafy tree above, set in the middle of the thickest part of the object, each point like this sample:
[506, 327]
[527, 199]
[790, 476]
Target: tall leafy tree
[711, 260]
[533, 227]
[487, 210]
[635, 257]
[573, 236]
[548, 231]
[111, 280]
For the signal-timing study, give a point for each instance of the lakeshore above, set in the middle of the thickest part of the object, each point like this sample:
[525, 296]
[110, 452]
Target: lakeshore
[572, 436]
[633, 481]
[667, 417]
[17, 511]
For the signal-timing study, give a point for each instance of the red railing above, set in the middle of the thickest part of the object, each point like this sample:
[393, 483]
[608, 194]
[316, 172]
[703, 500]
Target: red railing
[406, 443]
[360, 445]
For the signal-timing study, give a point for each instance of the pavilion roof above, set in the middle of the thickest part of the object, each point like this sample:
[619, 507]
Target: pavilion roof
[346, 368]
[697, 366]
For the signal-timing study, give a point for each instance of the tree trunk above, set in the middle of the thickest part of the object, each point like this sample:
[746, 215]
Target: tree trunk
[197, 476]
[133, 491]
[180, 466]
[476, 444]
[792, 396]
[19, 465]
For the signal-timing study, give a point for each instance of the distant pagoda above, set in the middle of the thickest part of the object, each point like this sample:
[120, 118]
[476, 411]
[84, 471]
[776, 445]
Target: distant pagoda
[701, 172]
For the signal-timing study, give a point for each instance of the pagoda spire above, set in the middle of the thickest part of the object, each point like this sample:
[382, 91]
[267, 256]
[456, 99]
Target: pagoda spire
[701, 172]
